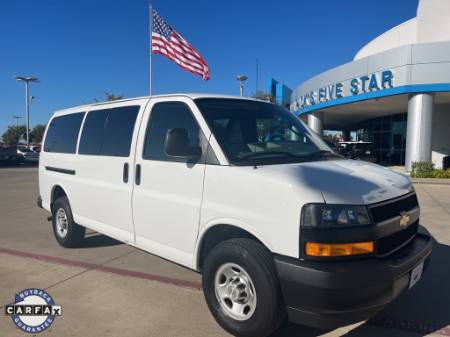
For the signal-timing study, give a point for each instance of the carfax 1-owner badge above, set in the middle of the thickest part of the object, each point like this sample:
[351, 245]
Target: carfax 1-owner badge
[33, 311]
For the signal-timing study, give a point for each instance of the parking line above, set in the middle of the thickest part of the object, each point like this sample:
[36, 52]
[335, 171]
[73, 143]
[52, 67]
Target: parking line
[103, 268]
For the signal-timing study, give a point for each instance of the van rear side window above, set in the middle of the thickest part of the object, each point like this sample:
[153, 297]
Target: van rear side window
[108, 132]
[62, 133]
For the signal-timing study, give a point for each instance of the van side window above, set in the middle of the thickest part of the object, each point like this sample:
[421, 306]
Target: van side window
[92, 136]
[109, 132]
[62, 133]
[165, 116]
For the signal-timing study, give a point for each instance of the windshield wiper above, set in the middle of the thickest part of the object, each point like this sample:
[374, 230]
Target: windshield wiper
[303, 156]
[268, 153]
[320, 153]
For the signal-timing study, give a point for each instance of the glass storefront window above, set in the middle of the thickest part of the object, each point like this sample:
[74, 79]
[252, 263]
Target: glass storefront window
[388, 134]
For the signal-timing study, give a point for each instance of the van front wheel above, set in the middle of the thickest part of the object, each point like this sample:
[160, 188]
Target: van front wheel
[241, 288]
[67, 232]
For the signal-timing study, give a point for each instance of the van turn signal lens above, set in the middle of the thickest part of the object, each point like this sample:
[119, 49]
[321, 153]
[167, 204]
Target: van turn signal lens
[338, 249]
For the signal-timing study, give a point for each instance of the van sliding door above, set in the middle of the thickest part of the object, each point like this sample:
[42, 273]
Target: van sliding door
[102, 198]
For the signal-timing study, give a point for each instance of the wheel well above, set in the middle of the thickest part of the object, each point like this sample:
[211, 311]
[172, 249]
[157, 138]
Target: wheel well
[220, 233]
[57, 192]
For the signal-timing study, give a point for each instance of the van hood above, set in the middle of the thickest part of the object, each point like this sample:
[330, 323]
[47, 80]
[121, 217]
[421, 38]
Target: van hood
[347, 181]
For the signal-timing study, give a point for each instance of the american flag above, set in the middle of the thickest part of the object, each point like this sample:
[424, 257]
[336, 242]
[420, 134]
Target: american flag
[167, 42]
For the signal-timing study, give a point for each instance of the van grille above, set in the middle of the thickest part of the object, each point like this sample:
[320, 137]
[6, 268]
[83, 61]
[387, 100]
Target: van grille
[391, 209]
[392, 242]
[387, 210]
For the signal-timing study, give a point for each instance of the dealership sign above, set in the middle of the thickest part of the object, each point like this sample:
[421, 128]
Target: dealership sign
[355, 86]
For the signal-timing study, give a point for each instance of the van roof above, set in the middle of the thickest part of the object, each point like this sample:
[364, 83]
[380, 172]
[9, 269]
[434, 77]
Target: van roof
[190, 95]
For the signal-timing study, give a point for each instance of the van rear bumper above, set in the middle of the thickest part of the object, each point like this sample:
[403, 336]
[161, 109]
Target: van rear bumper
[39, 201]
[333, 294]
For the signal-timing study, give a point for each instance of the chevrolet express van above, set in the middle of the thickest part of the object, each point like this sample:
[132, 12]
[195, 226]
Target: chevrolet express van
[243, 192]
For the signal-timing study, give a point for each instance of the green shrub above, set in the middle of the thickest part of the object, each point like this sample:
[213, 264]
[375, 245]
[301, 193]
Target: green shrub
[441, 174]
[422, 169]
[426, 170]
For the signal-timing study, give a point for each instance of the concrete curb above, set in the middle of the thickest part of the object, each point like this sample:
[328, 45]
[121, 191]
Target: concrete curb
[431, 181]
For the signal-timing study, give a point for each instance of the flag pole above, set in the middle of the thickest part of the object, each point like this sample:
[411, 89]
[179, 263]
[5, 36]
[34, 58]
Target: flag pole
[150, 17]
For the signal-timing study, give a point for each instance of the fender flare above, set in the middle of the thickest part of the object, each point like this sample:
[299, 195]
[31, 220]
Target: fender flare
[203, 231]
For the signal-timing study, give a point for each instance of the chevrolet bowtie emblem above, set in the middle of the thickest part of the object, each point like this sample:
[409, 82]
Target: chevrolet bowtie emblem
[404, 219]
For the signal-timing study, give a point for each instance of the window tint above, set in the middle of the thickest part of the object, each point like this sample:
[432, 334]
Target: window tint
[92, 136]
[258, 133]
[165, 116]
[119, 131]
[109, 132]
[62, 133]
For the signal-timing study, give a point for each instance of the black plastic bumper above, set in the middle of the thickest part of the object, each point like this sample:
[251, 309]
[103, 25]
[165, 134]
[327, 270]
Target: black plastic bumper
[39, 201]
[332, 294]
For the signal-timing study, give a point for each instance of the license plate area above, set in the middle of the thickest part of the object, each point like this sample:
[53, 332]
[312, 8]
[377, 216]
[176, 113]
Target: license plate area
[415, 276]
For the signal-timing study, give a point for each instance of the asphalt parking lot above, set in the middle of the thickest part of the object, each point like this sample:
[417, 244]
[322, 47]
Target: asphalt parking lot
[107, 288]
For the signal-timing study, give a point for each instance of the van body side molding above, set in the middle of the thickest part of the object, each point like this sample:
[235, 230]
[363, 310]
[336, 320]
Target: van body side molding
[60, 170]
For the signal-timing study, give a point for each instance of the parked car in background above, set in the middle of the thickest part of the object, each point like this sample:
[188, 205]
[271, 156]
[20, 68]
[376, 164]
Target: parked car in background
[9, 156]
[358, 151]
[36, 148]
[29, 156]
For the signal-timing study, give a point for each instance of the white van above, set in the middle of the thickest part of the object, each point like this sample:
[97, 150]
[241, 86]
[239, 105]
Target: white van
[243, 192]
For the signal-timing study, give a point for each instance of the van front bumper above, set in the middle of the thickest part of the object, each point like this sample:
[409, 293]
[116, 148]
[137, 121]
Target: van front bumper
[330, 294]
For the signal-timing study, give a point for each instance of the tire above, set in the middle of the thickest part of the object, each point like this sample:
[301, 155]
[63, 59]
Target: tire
[69, 235]
[260, 298]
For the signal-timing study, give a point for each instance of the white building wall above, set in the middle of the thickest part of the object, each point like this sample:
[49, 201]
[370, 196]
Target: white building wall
[440, 140]
[401, 35]
[431, 24]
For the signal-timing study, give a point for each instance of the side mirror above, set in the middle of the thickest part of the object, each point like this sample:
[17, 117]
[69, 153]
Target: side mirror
[177, 145]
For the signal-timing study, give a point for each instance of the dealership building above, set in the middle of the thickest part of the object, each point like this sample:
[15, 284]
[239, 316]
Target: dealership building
[395, 93]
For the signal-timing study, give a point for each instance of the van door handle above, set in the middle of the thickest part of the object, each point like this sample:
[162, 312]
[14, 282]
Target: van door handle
[125, 173]
[138, 174]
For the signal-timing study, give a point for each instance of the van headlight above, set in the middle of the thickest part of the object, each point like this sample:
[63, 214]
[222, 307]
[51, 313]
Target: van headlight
[328, 215]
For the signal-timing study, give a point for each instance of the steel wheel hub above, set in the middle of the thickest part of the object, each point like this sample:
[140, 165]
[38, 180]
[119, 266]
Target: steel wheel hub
[235, 291]
[61, 223]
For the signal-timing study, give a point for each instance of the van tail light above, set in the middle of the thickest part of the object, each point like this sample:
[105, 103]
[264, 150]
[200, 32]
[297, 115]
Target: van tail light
[338, 249]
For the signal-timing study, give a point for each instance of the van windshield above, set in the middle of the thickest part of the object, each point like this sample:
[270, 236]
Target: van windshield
[259, 133]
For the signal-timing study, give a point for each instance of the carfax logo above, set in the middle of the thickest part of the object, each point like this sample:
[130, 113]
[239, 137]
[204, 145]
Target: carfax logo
[33, 311]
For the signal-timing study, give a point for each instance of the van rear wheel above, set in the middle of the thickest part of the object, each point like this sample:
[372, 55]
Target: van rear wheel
[67, 232]
[241, 288]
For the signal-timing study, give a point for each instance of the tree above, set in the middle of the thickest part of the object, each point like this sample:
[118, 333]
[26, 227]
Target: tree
[264, 96]
[14, 134]
[110, 97]
[37, 133]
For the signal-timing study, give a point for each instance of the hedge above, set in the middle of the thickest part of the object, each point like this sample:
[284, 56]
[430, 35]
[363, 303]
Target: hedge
[426, 170]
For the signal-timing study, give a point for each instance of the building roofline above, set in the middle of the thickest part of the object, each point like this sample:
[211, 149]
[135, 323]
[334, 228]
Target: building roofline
[405, 89]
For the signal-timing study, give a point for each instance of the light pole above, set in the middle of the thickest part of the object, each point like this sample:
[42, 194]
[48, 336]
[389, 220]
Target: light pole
[27, 80]
[17, 120]
[241, 79]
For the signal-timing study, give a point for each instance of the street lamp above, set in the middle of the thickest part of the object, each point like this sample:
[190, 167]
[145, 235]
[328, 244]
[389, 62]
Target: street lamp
[17, 120]
[27, 80]
[241, 79]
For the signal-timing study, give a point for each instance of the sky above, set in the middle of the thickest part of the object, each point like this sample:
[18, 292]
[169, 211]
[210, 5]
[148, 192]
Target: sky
[81, 49]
